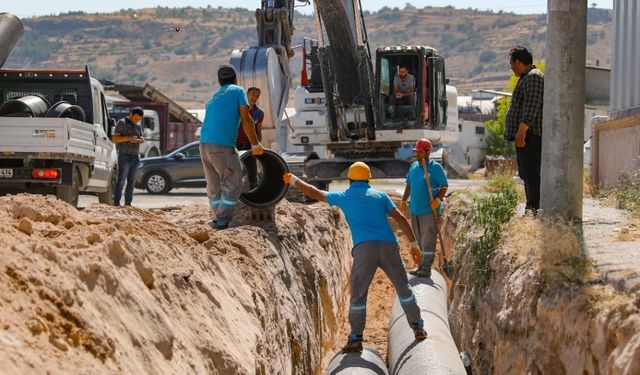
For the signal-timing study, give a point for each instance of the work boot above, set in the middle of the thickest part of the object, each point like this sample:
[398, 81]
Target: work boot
[219, 224]
[418, 330]
[354, 344]
[421, 272]
[419, 333]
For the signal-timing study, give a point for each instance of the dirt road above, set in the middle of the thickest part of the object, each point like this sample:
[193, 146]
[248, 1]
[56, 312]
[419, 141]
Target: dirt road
[183, 197]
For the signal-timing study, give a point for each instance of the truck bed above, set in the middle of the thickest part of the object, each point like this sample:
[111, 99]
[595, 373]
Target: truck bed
[54, 137]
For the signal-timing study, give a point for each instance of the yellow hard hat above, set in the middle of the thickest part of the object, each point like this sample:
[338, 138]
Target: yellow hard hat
[359, 171]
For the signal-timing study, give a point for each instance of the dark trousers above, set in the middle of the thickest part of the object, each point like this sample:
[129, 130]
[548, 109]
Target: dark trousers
[367, 258]
[529, 159]
[127, 167]
[251, 164]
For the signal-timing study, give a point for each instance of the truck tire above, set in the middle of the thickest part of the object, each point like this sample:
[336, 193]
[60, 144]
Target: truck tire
[157, 183]
[107, 196]
[70, 193]
[153, 153]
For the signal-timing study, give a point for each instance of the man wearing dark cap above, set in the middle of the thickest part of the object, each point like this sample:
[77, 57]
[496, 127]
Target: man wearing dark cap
[127, 136]
[226, 111]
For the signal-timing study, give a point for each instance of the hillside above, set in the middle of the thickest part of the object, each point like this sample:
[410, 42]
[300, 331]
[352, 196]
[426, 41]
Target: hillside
[136, 46]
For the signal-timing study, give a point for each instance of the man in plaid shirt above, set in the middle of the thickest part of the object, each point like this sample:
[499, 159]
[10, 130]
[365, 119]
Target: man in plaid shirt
[524, 122]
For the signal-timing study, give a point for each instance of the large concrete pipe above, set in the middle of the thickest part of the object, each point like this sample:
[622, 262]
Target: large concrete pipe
[369, 362]
[438, 353]
[10, 33]
[271, 188]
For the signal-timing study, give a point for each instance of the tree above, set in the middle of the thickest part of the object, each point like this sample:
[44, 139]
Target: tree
[496, 144]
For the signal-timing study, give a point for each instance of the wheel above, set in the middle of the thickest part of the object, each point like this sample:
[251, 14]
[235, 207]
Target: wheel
[107, 196]
[70, 193]
[153, 153]
[157, 183]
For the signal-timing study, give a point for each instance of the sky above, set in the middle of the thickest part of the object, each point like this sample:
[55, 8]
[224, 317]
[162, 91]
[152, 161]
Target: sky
[31, 8]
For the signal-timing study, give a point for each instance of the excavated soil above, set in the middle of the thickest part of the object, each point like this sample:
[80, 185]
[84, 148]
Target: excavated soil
[545, 310]
[125, 290]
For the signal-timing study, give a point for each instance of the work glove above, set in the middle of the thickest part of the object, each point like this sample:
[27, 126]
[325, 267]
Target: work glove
[289, 178]
[435, 204]
[257, 149]
[416, 254]
[403, 207]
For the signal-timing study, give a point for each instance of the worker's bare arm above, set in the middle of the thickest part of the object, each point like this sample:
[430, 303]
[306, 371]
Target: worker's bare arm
[442, 192]
[117, 138]
[407, 192]
[310, 190]
[247, 125]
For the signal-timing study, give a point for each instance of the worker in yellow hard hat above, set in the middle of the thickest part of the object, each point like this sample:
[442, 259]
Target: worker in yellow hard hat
[374, 245]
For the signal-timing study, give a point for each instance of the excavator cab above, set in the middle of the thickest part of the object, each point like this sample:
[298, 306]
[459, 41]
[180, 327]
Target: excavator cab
[411, 88]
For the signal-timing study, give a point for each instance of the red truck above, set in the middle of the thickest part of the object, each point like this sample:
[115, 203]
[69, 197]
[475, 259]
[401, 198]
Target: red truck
[166, 125]
[160, 130]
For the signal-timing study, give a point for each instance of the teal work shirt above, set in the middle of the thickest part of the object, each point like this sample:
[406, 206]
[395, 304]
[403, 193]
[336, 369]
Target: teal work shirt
[366, 211]
[419, 198]
[222, 116]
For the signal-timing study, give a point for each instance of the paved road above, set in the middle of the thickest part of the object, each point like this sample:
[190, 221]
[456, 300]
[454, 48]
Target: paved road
[182, 197]
[616, 261]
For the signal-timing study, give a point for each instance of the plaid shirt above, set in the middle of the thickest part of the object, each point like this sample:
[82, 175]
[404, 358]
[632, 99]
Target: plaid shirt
[526, 104]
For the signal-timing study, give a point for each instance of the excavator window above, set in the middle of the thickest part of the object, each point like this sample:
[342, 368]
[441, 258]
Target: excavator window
[399, 85]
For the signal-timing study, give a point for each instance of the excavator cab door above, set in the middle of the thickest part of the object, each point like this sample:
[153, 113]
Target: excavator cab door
[437, 93]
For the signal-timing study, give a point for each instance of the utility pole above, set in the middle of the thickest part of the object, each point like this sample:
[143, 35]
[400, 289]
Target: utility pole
[563, 124]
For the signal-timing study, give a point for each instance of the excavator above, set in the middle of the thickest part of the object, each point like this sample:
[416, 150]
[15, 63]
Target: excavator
[344, 102]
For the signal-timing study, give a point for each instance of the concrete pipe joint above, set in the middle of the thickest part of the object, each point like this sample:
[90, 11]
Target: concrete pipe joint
[438, 353]
[369, 362]
[11, 29]
[270, 188]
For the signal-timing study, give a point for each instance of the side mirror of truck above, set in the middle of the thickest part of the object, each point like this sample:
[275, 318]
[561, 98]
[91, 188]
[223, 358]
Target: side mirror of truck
[179, 156]
[111, 127]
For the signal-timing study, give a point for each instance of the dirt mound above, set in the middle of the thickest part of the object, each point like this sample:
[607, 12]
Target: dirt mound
[125, 290]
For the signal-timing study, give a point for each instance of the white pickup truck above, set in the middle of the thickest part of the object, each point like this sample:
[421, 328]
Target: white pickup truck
[55, 135]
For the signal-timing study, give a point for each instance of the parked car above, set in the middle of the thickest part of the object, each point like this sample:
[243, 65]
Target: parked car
[183, 168]
[180, 168]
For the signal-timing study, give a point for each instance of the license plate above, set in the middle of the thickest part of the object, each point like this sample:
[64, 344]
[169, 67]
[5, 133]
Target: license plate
[6, 173]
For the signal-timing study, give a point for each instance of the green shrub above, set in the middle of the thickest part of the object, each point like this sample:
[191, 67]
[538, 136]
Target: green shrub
[488, 215]
[627, 192]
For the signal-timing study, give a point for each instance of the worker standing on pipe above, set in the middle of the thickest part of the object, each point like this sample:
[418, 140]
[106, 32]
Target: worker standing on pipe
[374, 245]
[421, 207]
[227, 109]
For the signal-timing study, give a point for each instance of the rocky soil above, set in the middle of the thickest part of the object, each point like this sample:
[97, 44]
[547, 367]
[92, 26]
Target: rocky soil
[125, 290]
[545, 310]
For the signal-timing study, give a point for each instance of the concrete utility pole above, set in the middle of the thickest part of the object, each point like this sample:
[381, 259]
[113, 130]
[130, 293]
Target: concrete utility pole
[563, 124]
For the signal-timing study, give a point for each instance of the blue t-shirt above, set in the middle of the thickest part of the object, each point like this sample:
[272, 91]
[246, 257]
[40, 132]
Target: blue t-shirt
[366, 211]
[222, 118]
[419, 198]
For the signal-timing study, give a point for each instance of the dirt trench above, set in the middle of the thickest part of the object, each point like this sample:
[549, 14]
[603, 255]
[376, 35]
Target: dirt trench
[545, 311]
[124, 290]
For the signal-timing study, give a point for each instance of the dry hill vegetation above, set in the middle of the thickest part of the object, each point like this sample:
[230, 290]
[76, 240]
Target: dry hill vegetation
[137, 46]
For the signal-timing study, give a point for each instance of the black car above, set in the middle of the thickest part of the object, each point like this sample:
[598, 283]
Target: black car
[181, 168]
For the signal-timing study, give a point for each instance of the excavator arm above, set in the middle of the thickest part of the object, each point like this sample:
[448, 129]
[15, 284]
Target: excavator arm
[348, 85]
